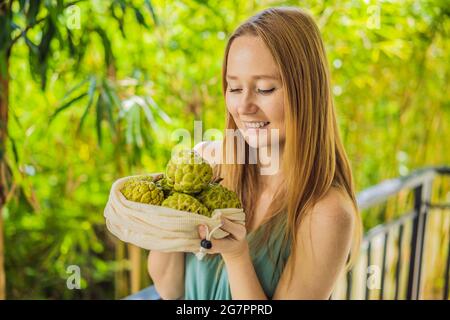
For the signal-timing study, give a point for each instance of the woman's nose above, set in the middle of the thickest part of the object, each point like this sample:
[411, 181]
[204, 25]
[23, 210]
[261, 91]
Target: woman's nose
[247, 104]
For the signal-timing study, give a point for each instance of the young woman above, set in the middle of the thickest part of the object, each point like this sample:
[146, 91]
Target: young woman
[302, 221]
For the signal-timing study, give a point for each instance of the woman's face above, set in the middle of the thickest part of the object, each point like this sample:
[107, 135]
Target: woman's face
[254, 94]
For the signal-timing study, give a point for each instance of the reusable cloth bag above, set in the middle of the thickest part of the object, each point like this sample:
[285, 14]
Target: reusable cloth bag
[161, 228]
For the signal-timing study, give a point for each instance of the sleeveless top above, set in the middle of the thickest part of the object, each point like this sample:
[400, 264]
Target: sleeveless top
[202, 282]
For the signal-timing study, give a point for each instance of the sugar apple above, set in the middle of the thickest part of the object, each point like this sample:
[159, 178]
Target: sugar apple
[138, 178]
[164, 185]
[216, 196]
[188, 172]
[143, 177]
[143, 191]
[185, 202]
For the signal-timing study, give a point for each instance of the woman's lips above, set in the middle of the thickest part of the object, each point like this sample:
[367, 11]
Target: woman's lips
[255, 124]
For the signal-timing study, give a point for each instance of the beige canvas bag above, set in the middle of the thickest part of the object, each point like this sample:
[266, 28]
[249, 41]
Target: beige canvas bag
[160, 228]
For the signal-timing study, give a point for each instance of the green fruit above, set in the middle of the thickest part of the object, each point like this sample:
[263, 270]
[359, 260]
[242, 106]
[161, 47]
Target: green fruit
[164, 185]
[138, 178]
[143, 191]
[188, 172]
[185, 202]
[216, 196]
[143, 177]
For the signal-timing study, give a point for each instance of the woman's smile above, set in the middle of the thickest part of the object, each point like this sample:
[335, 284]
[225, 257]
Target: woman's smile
[255, 124]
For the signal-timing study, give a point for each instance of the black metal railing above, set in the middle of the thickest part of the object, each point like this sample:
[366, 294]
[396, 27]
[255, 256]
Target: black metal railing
[420, 184]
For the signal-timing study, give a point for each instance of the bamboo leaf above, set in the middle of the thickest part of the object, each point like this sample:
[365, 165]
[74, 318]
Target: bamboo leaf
[152, 11]
[123, 5]
[111, 122]
[16, 118]
[81, 49]
[67, 105]
[120, 20]
[44, 51]
[91, 91]
[111, 94]
[98, 122]
[43, 74]
[22, 4]
[139, 17]
[129, 131]
[14, 26]
[137, 128]
[148, 114]
[159, 110]
[14, 148]
[75, 88]
[32, 12]
[109, 57]
[113, 100]
[34, 49]
[72, 46]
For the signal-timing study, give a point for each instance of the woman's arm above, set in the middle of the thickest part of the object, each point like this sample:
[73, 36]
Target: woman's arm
[244, 283]
[323, 243]
[167, 273]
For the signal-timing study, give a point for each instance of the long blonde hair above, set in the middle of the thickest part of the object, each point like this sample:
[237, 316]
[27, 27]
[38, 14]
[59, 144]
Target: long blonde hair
[316, 154]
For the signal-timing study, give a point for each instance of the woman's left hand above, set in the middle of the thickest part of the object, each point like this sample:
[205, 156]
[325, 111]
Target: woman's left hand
[234, 246]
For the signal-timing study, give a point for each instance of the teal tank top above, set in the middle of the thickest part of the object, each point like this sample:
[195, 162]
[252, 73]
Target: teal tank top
[201, 282]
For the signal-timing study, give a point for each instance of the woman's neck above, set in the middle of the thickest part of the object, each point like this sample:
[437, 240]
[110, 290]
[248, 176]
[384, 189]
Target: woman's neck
[272, 182]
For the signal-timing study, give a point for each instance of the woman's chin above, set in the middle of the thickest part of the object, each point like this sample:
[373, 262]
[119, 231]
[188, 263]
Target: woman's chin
[257, 138]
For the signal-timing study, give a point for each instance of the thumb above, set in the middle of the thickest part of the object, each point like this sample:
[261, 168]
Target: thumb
[202, 231]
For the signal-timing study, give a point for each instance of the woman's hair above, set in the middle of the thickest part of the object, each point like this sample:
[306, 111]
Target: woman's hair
[316, 159]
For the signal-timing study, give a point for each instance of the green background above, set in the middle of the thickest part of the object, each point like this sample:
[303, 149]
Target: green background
[91, 104]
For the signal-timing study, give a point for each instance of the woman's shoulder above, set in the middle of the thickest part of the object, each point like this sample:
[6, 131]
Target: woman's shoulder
[336, 201]
[334, 212]
[209, 150]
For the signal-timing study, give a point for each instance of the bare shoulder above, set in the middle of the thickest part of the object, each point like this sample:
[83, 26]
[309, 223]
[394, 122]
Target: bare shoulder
[333, 214]
[209, 150]
[335, 204]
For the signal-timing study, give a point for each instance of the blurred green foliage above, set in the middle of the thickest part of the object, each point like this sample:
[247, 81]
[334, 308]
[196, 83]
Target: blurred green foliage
[103, 99]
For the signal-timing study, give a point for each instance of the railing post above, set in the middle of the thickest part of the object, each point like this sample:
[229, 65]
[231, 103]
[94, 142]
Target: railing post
[422, 195]
[348, 290]
[399, 262]
[447, 273]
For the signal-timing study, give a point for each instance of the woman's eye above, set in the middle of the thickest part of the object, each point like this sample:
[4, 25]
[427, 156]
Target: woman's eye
[261, 91]
[266, 91]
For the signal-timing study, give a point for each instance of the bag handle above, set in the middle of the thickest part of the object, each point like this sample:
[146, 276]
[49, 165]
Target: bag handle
[202, 251]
